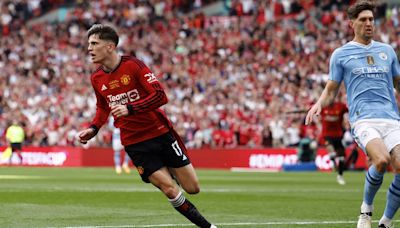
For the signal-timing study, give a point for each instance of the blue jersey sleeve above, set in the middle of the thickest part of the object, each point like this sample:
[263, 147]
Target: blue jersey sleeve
[335, 68]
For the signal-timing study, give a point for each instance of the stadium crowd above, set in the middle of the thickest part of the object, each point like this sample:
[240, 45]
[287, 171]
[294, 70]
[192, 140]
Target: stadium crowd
[237, 80]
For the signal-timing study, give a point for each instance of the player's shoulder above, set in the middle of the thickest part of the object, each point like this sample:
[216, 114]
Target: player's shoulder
[381, 44]
[384, 47]
[131, 60]
[342, 50]
[96, 73]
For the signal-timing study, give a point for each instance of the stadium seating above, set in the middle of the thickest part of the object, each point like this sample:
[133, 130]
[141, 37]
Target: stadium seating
[242, 71]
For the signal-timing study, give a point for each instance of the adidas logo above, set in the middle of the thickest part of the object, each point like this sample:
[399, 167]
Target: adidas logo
[103, 87]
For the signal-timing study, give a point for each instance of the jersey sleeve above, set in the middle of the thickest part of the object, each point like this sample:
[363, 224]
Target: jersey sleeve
[395, 64]
[102, 110]
[156, 96]
[335, 68]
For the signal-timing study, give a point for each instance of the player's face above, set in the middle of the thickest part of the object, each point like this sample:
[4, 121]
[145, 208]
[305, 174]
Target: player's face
[99, 50]
[363, 25]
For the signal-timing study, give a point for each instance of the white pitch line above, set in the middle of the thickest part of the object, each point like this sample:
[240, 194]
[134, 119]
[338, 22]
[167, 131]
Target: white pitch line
[12, 177]
[230, 224]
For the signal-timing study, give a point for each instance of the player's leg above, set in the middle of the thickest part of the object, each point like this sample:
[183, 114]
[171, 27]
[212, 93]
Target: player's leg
[117, 161]
[162, 179]
[380, 158]
[125, 164]
[393, 193]
[352, 159]
[187, 178]
[340, 152]
[331, 151]
[368, 137]
[16, 149]
[150, 158]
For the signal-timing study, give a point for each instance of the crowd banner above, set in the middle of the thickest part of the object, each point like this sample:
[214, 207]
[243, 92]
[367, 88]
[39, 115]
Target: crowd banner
[266, 159]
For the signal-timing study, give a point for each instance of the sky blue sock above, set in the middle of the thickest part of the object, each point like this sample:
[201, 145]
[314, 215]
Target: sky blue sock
[373, 181]
[393, 197]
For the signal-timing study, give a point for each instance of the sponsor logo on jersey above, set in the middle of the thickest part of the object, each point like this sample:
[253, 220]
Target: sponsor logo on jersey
[123, 98]
[113, 84]
[370, 60]
[383, 56]
[125, 79]
[371, 72]
[150, 77]
[104, 87]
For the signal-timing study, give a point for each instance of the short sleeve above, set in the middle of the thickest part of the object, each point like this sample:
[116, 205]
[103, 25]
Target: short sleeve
[335, 68]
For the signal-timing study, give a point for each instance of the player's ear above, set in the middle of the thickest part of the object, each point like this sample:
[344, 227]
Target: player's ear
[351, 24]
[110, 47]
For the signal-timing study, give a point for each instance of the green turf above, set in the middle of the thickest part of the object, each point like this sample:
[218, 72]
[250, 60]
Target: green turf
[97, 197]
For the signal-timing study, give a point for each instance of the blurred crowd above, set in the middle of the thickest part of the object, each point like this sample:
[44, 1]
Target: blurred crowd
[240, 80]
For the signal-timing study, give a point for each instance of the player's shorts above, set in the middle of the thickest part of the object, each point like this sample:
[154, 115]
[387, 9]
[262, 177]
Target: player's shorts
[388, 130]
[16, 146]
[336, 142]
[166, 150]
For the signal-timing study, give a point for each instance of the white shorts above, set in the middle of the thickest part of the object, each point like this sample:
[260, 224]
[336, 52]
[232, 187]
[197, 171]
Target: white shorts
[387, 130]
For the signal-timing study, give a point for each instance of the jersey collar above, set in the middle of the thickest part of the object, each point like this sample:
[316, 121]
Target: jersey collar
[362, 45]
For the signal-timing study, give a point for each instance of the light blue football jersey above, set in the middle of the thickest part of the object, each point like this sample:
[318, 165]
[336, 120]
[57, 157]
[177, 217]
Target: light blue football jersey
[367, 72]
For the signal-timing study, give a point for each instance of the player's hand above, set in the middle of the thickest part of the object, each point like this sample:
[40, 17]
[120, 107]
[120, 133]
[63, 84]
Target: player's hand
[314, 111]
[85, 135]
[119, 110]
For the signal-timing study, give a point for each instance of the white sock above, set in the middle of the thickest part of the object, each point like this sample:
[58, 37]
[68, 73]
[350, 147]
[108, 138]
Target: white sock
[178, 200]
[385, 220]
[366, 208]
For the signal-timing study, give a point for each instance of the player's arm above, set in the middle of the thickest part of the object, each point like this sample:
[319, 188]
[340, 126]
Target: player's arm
[396, 82]
[102, 113]
[156, 96]
[331, 88]
[395, 70]
[327, 97]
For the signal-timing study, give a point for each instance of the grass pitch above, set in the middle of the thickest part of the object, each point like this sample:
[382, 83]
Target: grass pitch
[97, 197]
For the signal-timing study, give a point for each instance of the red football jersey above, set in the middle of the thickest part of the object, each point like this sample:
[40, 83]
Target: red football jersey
[132, 83]
[332, 119]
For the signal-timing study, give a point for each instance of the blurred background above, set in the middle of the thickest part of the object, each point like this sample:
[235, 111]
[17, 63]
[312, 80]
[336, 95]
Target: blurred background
[238, 73]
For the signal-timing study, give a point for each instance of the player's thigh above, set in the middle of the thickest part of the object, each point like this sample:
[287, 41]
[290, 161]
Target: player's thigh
[162, 179]
[378, 153]
[339, 148]
[368, 136]
[187, 178]
[395, 158]
[146, 158]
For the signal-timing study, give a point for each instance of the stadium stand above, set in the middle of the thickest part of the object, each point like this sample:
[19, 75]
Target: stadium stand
[242, 71]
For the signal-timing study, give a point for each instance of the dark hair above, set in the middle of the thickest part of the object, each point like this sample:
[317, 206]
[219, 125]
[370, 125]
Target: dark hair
[105, 32]
[358, 7]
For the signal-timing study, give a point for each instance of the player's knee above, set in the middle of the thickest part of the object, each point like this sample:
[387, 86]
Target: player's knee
[382, 163]
[169, 190]
[396, 167]
[193, 188]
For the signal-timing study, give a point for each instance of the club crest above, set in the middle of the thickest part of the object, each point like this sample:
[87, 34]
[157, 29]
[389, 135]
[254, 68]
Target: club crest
[383, 56]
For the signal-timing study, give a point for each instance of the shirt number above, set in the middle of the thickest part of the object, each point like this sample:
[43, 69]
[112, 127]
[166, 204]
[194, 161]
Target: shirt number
[178, 150]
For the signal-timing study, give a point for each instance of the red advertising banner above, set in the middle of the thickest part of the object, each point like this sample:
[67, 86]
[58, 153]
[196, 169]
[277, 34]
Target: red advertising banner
[44, 156]
[258, 159]
[265, 159]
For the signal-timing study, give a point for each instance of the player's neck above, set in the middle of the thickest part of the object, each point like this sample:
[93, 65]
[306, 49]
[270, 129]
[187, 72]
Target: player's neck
[362, 41]
[111, 63]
